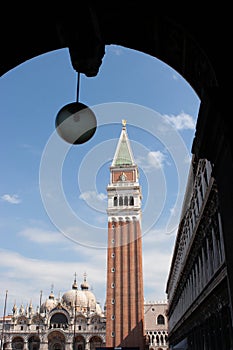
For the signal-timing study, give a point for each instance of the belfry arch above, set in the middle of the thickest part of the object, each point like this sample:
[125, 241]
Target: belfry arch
[189, 41]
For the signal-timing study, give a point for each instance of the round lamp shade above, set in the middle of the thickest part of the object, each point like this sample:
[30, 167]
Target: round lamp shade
[75, 123]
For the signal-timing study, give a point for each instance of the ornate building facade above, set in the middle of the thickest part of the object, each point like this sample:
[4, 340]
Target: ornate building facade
[199, 316]
[156, 325]
[55, 324]
[125, 298]
[74, 321]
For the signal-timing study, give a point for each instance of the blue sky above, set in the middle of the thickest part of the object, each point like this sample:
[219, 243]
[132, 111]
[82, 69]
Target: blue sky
[53, 220]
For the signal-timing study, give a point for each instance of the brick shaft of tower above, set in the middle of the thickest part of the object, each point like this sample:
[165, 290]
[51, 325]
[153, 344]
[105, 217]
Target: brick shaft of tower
[125, 297]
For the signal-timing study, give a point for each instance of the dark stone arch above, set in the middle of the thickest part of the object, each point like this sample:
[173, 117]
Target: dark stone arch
[34, 342]
[79, 343]
[56, 341]
[95, 342]
[17, 343]
[169, 37]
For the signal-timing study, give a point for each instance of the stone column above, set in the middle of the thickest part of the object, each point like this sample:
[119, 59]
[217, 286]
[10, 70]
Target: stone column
[215, 251]
[203, 266]
[200, 272]
[69, 346]
[25, 345]
[87, 345]
[208, 260]
[44, 345]
[221, 243]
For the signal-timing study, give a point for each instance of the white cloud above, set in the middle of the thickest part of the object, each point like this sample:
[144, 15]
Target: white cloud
[156, 237]
[24, 277]
[72, 239]
[156, 159]
[92, 195]
[13, 199]
[156, 265]
[38, 235]
[157, 255]
[153, 160]
[181, 121]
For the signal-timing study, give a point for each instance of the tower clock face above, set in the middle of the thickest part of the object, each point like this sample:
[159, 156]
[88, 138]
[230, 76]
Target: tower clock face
[123, 177]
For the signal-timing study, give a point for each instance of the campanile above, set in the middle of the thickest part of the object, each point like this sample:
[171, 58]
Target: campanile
[125, 298]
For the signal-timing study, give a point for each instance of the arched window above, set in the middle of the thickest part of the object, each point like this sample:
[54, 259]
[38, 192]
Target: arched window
[160, 319]
[59, 320]
[120, 201]
[115, 201]
[126, 200]
[131, 200]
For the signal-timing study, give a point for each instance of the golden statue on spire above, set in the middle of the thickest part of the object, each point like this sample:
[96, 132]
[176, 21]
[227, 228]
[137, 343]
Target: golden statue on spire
[124, 122]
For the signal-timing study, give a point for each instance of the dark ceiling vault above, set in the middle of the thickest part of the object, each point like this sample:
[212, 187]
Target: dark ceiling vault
[187, 39]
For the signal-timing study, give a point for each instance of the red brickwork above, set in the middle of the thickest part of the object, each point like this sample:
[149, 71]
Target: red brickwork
[125, 300]
[130, 175]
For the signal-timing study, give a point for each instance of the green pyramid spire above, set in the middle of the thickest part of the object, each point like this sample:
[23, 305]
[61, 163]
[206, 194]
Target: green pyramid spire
[123, 155]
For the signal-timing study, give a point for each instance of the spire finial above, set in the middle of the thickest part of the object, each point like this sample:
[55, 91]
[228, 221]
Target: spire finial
[75, 286]
[84, 285]
[124, 122]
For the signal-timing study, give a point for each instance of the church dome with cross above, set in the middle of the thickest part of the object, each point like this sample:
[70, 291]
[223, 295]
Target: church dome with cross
[80, 298]
[83, 299]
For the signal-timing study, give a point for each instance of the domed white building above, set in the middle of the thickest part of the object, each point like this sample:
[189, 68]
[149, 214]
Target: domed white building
[84, 299]
[74, 321]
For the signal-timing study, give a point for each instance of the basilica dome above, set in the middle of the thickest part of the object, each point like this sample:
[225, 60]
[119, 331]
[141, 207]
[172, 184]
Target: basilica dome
[74, 297]
[49, 304]
[83, 298]
[90, 297]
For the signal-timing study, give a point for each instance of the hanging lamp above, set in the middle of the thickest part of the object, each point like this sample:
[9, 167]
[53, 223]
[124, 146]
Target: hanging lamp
[75, 122]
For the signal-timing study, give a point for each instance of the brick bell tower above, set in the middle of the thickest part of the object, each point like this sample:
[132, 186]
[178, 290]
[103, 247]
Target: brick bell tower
[125, 297]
